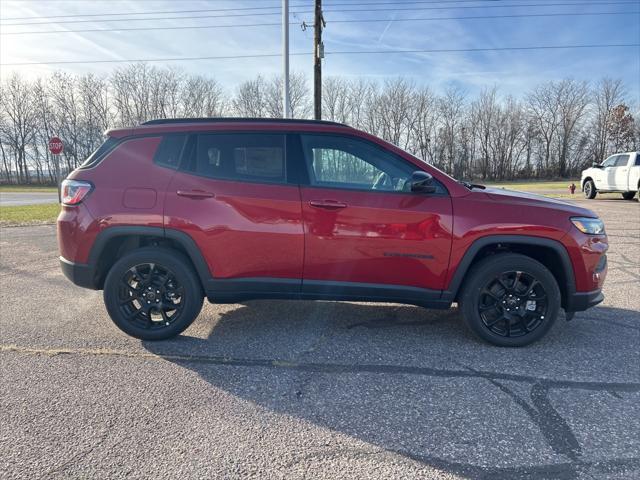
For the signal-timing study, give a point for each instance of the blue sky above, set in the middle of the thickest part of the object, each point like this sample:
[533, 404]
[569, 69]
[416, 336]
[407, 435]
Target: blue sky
[512, 71]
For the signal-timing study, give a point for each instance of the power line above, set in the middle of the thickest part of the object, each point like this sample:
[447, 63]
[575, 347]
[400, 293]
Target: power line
[150, 28]
[393, 9]
[145, 19]
[477, 17]
[344, 52]
[350, 4]
[488, 49]
[110, 14]
[368, 20]
[146, 13]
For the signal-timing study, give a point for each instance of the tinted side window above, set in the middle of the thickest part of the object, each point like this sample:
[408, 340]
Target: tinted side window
[622, 161]
[247, 156]
[169, 150]
[637, 158]
[610, 162]
[100, 153]
[343, 162]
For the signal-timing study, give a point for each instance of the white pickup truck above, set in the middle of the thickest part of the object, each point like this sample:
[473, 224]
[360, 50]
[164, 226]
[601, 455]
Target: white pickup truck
[618, 173]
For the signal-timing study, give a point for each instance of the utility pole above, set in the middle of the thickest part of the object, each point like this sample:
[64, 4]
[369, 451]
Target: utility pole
[286, 102]
[318, 55]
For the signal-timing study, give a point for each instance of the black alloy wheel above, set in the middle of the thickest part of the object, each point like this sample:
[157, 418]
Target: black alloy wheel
[150, 296]
[510, 299]
[153, 293]
[513, 304]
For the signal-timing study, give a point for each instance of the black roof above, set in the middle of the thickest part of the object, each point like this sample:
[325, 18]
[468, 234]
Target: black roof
[164, 121]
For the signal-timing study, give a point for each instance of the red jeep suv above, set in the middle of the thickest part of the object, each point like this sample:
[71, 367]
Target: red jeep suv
[171, 211]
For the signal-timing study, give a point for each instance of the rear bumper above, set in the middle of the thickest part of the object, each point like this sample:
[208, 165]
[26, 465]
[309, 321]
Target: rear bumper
[579, 301]
[79, 273]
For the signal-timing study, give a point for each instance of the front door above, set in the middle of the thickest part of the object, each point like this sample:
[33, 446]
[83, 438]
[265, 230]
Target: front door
[606, 178]
[622, 172]
[363, 226]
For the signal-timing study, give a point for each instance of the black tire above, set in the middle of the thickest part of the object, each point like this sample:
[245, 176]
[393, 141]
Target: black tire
[131, 286]
[482, 300]
[589, 189]
[628, 195]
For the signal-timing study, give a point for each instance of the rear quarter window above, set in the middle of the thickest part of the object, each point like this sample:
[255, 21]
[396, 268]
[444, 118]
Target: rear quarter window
[169, 151]
[101, 152]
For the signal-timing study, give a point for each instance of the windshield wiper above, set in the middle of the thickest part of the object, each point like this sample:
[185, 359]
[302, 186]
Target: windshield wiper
[471, 186]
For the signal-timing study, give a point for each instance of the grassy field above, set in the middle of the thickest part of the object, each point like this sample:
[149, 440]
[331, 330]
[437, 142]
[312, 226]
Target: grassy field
[533, 185]
[29, 214]
[554, 189]
[27, 188]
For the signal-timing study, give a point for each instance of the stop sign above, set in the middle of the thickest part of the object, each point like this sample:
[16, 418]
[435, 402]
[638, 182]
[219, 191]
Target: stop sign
[55, 146]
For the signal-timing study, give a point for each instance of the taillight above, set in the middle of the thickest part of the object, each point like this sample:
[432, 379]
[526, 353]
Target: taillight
[74, 191]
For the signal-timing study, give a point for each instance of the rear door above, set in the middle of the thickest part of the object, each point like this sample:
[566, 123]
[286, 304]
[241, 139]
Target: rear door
[233, 197]
[622, 172]
[363, 225]
[634, 174]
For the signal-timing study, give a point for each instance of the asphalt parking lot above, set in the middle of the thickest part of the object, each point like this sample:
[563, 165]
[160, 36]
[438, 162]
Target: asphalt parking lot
[272, 389]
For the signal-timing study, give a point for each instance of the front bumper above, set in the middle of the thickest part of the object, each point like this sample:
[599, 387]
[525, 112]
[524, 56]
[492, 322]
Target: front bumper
[79, 273]
[580, 301]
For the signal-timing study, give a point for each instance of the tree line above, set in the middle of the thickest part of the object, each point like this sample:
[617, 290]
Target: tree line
[553, 130]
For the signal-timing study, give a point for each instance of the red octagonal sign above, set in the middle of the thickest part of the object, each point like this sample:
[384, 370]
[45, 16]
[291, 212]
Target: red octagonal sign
[55, 146]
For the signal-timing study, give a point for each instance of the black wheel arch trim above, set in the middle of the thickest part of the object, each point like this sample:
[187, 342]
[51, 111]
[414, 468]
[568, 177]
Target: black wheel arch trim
[182, 238]
[86, 275]
[458, 278]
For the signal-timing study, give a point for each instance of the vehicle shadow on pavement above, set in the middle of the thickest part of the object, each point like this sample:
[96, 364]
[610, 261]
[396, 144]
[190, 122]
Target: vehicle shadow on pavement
[412, 382]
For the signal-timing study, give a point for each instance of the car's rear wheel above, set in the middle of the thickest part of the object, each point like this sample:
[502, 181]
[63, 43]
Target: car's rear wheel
[510, 300]
[152, 293]
[589, 189]
[628, 195]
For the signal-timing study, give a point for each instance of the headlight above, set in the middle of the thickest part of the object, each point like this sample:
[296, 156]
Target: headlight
[591, 226]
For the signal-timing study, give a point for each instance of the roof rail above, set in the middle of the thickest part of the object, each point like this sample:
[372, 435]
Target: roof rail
[164, 121]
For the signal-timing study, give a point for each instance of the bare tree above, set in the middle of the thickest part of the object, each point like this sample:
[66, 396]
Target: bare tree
[451, 108]
[394, 109]
[19, 123]
[572, 98]
[423, 129]
[483, 112]
[335, 100]
[545, 115]
[298, 93]
[607, 95]
[202, 97]
[249, 100]
[553, 132]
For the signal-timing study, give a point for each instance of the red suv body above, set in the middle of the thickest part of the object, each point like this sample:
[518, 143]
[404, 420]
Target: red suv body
[235, 209]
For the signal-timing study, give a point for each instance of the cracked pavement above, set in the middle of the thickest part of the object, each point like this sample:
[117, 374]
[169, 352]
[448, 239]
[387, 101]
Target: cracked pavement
[273, 389]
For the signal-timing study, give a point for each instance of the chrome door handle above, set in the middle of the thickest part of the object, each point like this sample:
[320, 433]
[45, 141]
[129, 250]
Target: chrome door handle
[327, 204]
[195, 194]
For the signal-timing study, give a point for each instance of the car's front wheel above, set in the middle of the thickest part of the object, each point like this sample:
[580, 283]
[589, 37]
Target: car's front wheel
[589, 189]
[152, 293]
[510, 300]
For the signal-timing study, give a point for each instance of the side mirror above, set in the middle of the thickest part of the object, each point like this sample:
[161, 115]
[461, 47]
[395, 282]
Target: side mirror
[596, 165]
[422, 182]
